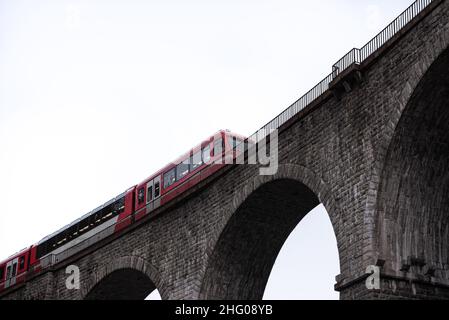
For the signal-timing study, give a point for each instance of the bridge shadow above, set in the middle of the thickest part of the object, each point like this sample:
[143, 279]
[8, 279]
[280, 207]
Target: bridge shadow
[124, 278]
[243, 257]
[413, 201]
[124, 284]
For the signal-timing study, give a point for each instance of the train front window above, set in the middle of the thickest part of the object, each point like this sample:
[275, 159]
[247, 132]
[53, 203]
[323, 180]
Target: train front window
[206, 154]
[169, 178]
[218, 146]
[233, 142]
[140, 195]
[182, 169]
[196, 160]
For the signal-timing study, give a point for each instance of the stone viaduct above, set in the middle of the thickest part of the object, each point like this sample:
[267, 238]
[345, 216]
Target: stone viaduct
[373, 148]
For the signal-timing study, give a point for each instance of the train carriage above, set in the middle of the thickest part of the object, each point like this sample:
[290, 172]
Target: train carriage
[13, 270]
[120, 212]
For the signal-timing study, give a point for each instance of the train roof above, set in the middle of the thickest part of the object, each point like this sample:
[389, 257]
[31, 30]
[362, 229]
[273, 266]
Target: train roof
[181, 158]
[15, 255]
[122, 194]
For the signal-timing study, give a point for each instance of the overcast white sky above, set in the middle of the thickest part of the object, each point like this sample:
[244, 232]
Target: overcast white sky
[97, 95]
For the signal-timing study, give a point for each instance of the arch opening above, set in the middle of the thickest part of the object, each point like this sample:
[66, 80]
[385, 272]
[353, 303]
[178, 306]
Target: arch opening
[413, 206]
[243, 256]
[123, 284]
[308, 262]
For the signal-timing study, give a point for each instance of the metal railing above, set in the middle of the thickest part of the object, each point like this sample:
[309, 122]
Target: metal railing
[299, 105]
[355, 56]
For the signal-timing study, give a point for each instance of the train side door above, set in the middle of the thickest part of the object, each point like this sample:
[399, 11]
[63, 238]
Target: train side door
[157, 192]
[150, 196]
[11, 272]
[153, 194]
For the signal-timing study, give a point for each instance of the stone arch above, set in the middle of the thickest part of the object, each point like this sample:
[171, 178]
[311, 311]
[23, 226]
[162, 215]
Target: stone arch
[433, 48]
[125, 278]
[412, 225]
[241, 253]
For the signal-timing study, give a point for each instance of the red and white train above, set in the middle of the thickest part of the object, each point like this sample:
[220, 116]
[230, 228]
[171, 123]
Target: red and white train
[119, 213]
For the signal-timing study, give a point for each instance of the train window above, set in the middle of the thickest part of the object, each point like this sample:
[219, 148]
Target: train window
[140, 195]
[156, 189]
[234, 142]
[21, 263]
[8, 272]
[239, 144]
[82, 227]
[169, 178]
[182, 169]
[218, 146]
[206, 154]
[196, 160]
[117, 207]
[150, 194]
[2, 273]
[122, 205]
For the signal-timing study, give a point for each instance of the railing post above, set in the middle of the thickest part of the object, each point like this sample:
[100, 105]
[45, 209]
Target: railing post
[335, 71]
